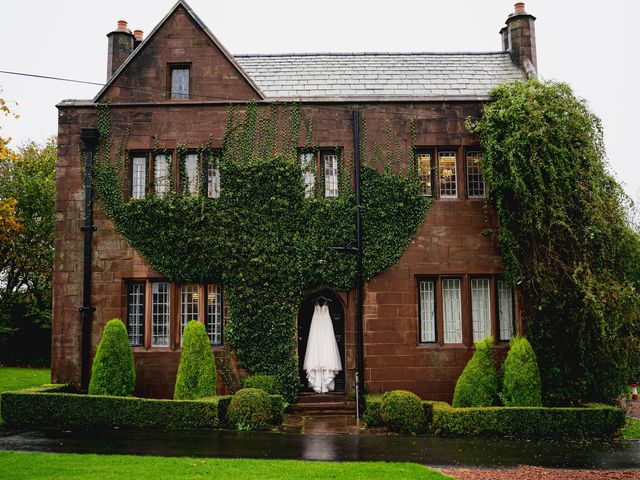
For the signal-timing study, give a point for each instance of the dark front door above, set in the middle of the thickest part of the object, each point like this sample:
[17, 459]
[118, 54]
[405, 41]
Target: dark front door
[304, 324]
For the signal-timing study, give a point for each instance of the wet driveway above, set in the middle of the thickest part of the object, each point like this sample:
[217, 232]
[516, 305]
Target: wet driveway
[358, 447]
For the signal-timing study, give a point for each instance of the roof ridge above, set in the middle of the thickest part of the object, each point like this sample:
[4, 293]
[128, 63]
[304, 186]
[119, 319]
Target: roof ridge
[344, 54]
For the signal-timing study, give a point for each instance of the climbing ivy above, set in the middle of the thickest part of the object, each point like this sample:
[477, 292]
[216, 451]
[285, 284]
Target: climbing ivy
[263, 239]
[563, 238]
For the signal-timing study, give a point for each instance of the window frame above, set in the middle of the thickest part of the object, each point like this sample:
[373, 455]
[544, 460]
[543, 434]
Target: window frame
[456, 152]
[133, 154]
[489, 307]
[206, 312]
[169, 312]
[197, 171]
[337, 153]
[313, 191]
[433, 280]
[181, 306]
[168, 154]
[497, 311]
[170, 69]
[432, 168]
[128, 290]
[467, 151]
[460, 309]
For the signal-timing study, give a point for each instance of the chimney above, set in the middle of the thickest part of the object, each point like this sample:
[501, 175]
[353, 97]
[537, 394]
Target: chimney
[121, 42]
[139, 37]
[519, 39]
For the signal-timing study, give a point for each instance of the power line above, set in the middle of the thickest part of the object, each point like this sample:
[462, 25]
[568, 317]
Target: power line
[214, 97]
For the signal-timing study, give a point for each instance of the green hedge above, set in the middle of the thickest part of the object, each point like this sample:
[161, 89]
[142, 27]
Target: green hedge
[590, 421]
[373, 411]
[268, 383]
[402, 412]
[57, 406]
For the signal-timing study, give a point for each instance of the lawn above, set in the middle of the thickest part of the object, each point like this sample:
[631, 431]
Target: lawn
[22, 465]
[17, 378]
[631, 428]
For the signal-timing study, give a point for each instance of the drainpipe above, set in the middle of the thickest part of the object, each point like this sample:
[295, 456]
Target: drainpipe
[359, 272]
[89, 137]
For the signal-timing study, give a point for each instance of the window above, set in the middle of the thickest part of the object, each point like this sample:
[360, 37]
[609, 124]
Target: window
[188, 305]
[138, 177]
[447, 174]
[480, 311]
[475, 180]
[160, 317]
[424, 167]
[191, 166]
[505, 310]
[451, 310]
[135, 313]
[180, 82]
[330, 164]
[213, 322]
[161, 174]
[213, 178]
[308, 165]
[426, 291]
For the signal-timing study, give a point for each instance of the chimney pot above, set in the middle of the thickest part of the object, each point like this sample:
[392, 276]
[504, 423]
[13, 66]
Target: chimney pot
[122, 24]
[138, 34]
[519, 7]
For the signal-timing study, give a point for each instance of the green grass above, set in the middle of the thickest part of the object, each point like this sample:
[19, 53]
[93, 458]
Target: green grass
[22, 465]
[631, 428]
[17, 378]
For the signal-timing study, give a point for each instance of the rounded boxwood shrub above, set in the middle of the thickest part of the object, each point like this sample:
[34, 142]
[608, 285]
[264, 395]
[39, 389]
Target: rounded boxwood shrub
[403, 412]
[113, 372]
[197, 370]
[520, 376]
[478, 384]
[250, 409]
[268, 383]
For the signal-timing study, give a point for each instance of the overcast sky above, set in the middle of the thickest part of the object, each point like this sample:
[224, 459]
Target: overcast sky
[593, 45]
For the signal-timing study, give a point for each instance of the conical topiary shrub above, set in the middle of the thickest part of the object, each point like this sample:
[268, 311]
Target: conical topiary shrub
[478, 384]
[197, 371]
[521, 385]
[113, 372]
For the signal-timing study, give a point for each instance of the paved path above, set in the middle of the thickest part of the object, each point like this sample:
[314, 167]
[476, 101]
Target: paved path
[448, 452]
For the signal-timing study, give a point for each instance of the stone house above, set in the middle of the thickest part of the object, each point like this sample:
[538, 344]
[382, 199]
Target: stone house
[420, 317]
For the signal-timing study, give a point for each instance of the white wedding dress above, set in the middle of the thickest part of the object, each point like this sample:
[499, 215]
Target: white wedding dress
[322, 359]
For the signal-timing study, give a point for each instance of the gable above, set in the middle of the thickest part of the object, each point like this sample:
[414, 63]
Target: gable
[180, 39]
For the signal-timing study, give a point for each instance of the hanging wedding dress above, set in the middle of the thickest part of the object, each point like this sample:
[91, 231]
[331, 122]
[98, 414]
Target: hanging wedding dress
[322, 360]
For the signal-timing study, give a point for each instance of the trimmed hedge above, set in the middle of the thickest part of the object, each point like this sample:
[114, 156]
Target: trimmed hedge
[478, 384]
[373, 410]
[520, 376]
[113, 372]
[250, 409]
[590, 421]
[402, 412]
[197, 370]
[268, 383]
[58, 406]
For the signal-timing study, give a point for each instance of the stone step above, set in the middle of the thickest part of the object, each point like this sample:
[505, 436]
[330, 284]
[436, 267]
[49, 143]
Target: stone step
[323, 408]
[312, 397]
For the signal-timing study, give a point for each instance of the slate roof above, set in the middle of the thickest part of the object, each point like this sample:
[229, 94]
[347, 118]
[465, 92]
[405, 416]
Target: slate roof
[387, 75]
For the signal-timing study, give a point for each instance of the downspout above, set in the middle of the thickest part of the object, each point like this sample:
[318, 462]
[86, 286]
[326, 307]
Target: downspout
[89, 137]
[359, 272]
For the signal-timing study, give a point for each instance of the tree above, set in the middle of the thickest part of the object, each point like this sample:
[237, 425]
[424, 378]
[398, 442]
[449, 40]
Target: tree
[478, 384]
[521, 376]
[197, 370]
[564, 238]
[113, 371]
[27, 207]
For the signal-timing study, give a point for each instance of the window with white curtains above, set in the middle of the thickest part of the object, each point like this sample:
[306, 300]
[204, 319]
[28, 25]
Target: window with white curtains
[330, 164]
[213, 321]
[451, 310]
[191, 166]
[135, 313]
[138, 177]
[160, 316]
[180, 82]
[308, 165]
[505, 310]
[427, 311]
[480, 309]
[213, 178]
[188, 305]
[161, 174]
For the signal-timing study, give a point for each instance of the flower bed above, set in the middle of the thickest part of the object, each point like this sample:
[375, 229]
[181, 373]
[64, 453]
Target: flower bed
[589, 421]
[59, 406]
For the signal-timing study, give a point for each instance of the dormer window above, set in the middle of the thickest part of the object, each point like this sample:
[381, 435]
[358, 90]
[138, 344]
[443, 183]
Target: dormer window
[180, 81]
